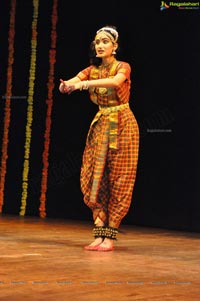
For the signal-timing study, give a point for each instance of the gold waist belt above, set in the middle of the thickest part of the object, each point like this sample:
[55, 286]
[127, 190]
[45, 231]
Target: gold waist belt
[113, 122]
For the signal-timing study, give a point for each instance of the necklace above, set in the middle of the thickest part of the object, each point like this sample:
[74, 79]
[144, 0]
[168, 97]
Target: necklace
[108, 64]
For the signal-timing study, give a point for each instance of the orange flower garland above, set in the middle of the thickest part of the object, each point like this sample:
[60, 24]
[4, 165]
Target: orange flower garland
[4, 157]
[49, 102]
[29, 108]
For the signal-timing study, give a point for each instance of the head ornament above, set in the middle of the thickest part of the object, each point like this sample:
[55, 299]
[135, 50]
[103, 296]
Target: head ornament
[111, 32]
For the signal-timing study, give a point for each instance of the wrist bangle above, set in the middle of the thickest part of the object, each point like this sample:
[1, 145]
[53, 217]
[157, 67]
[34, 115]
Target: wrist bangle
[84, 85]
[81, 86]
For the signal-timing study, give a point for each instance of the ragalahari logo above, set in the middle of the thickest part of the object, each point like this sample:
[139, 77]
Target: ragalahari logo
[164, 5]
[180, 5]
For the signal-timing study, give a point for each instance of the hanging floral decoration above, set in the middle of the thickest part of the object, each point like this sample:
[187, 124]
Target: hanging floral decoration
[29, 120]
[7, 109]
[49, 102]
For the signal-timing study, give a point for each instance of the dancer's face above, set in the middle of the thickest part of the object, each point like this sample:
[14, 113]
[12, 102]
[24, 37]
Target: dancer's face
[103, 45]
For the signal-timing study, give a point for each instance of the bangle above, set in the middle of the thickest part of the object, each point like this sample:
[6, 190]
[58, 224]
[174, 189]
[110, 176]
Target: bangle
[81, 86]
[84, 85]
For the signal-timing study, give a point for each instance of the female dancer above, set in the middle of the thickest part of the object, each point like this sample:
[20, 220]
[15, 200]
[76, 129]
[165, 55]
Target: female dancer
[110, 156]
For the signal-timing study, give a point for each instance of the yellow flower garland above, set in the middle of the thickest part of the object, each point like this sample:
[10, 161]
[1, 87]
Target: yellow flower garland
[5, 141]
[29, 108]
[49, 102]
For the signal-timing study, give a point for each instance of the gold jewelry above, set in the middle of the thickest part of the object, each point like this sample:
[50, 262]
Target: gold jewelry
[102, 90]
[84, 85]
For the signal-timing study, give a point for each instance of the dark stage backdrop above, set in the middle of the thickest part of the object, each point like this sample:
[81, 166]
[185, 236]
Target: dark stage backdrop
[43, 133]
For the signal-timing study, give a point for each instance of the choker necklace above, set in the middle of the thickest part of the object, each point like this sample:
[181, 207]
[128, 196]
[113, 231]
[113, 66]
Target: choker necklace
[107, 65]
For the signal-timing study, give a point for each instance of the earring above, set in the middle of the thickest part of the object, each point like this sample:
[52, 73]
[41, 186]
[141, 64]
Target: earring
[113, 52]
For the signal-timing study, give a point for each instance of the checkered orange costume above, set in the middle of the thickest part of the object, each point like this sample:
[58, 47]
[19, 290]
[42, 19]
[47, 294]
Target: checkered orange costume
[110, 157]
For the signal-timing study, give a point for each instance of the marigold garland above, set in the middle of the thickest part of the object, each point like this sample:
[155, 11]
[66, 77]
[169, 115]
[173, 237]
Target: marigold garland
[29, 108]
[7, 109]
[49, 102]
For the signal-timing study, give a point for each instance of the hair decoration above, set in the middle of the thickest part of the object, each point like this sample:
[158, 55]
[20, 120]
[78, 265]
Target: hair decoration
[111, 30]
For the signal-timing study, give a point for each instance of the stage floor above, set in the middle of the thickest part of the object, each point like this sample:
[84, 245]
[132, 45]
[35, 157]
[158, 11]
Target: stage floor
[44, 259]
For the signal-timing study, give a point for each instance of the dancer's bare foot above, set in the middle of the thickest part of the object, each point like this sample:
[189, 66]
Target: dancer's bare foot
[94, 245]
[96, 242]
[106, 245]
